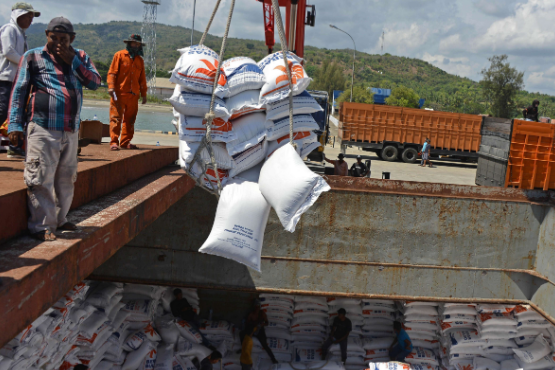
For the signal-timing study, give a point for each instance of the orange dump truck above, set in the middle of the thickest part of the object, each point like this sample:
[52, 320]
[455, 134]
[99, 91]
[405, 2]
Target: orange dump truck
[398, 133]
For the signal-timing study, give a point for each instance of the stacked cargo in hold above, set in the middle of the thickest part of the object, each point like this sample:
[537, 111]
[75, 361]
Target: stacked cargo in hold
[309, 328]
[279, 310]
[377, 332]
[355, 351]
[457, 318]
[421, 324]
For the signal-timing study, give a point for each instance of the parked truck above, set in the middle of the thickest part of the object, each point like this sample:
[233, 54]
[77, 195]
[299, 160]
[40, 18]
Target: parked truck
[397, 133]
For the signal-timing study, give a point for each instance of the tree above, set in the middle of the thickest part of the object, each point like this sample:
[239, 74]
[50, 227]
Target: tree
[328, 77]
[500, 86]
[360, 95]
[403, 96]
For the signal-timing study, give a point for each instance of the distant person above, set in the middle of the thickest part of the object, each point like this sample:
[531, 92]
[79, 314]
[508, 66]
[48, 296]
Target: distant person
[402, 345]
[181, 308]
[208, 362]
[531, 113]
[13, 44]
[358, 169]
[426, 154]
[51, 79]
[257, 318]
[340, 330]
[126, 83]
[340, 167]
[246, 348]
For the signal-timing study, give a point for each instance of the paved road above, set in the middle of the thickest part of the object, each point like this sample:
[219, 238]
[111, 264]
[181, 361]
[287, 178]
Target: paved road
[446, 172]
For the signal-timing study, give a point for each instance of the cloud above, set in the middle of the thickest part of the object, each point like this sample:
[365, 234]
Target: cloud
[457, 66]
[495, 8]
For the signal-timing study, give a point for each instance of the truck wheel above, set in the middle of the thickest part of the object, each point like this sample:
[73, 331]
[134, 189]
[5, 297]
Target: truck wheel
[390, 153]
[409, 155]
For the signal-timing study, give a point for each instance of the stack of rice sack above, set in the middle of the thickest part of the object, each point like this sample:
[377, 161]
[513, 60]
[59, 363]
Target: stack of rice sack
[456, 317]
[377, 332]
[309, 328]
[355, 351]
[420, 321]
[275, 96]
[279, 310]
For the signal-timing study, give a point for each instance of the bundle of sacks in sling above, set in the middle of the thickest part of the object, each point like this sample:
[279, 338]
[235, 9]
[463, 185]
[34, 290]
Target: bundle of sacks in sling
[116, 326]
[250, 134]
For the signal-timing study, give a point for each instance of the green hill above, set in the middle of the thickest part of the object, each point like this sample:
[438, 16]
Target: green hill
[441, 90]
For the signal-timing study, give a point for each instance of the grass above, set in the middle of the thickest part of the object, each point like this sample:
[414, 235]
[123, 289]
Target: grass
[102, 94]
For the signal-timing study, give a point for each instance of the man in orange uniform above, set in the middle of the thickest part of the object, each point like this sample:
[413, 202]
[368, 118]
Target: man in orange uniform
[126, 80]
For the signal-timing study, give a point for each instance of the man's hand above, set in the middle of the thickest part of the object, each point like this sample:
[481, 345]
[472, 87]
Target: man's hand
[112, 93]
[66, 53]
[144, 99]
[15, 136]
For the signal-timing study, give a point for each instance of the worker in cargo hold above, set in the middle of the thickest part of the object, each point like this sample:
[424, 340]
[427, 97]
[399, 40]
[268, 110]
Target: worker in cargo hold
[531, 113]
[208, 362]
[13, 44]
[340, 330]
[246, 347]
[257, 318]
[126, 83]
[181, 308]
[340, 167]
[47, 97]
[358, 169]
[402, 345]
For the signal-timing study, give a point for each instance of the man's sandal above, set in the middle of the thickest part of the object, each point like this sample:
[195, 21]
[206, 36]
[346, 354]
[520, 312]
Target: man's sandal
[114, 147]
[44, 236]
[68, 226]
[130, 146]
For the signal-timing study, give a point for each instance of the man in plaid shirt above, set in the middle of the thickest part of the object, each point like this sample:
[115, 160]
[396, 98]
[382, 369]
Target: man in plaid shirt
[53, 77]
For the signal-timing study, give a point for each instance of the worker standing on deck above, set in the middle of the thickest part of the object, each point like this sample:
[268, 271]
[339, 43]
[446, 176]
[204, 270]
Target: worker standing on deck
[358, 169]
[426, 154]
[53, 76]
[126, 82]
[402, 345]
[340, 330]
[531, 113]
[13, 44]
[340, 167]
[258, 319]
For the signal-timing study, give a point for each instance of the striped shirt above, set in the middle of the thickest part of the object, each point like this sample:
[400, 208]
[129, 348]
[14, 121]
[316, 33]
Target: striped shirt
[56, 90]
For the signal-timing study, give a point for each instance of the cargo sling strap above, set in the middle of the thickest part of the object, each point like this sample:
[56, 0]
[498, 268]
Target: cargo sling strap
[210, 116]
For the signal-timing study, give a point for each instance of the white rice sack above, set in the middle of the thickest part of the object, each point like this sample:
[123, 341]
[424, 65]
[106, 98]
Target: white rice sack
[244, 103]
[182, 363]
[300, 138]
[289, 186]
[217, 328]
[197, 105]
[276, 303]
[318, 335]
[311, 299]
[427, 326]
[369, 313]
[91, 325]
[535, 351]
[242, 74]
[546, 362]
[538, 324]
[252, 174]
[188, 332]
[487, 319]
[303, 103]
[309, 312]
[308, 325]
[278, 333]
[145, 291]
[378, 306]
[210, 180]
[457, 325]
[140, 310]
[462, 310]
[278, 311]
[309, 147]
[238, 230]
[393, 365]
[279, 128]
[421, 310]
[187, 151]
[307, 354]
[311, 305]
[376, 353]
[466, 338]
[481, 363]
[248, 159]
[494, 308]
[427, 344]
[510, 365]
[459, 318]
[353, 344]
[277, 85]
[464, 365]
[277, 345]
[164, 357]
[525, 311]
[134, 341]
[187, 348]
[149, 362]
[103, 293]
[421, 355]
[196, 69]
[271, 297]
[135, 359]
[249, 130]
[194, 128]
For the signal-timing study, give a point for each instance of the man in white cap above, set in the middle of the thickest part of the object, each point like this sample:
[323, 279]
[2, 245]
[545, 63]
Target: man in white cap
[13, 44]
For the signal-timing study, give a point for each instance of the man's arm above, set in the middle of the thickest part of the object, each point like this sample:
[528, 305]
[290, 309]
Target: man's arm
[407, 344]
[329, 160]
[393, 344]
[113, 75]
[343, 338]
[366, 170]
[142, 83]
[85, 71]
[7, 45]
[20, 95]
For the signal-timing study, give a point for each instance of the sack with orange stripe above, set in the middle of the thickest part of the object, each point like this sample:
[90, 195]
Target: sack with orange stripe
[194, 128]
[277, 84]
[300, 138]
[196, 70]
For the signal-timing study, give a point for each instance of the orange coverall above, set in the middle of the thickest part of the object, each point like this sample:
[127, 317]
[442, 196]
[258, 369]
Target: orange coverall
[127, 78]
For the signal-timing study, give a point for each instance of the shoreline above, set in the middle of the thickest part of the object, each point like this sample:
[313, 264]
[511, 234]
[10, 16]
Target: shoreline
[106, 104]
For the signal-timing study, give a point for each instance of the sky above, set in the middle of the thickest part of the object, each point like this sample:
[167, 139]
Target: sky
[457, 36]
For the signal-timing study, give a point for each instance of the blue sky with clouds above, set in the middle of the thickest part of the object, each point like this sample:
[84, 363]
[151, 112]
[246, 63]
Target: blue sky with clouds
[455, 35]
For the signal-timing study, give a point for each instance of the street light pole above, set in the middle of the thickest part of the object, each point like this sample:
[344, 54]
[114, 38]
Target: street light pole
[354, 57]
[193, 29]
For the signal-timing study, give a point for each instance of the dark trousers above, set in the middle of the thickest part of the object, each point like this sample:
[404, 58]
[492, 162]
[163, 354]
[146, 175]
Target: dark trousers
[398, 353]
[342, 345]
[245, 366]
[5, 93]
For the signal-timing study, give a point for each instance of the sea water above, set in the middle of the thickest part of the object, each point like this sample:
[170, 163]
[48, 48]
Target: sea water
[146, 120]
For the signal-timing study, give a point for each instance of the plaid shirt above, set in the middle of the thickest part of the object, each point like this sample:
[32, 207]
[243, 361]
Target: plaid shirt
[56, 90]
